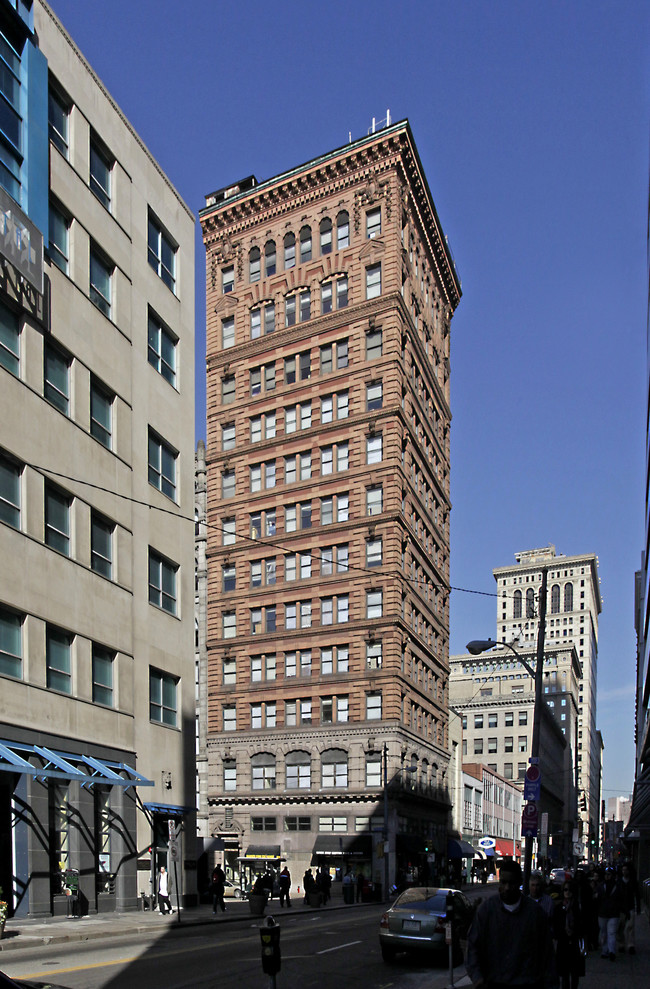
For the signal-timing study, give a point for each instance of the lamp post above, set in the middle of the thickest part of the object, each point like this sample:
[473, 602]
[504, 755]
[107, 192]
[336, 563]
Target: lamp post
[386, 833]
[477, 646]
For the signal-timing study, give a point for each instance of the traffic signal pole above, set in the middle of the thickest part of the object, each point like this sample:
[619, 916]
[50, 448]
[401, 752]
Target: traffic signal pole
[537, 711]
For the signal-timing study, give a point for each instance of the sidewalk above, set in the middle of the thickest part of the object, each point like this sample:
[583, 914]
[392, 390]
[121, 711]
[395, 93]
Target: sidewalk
[28, 933]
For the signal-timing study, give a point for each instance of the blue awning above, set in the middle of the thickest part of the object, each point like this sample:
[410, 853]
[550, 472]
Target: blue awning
[459, 849]
[43, 763]
[171, 810]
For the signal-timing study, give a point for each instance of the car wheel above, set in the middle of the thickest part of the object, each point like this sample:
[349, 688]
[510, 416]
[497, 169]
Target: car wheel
[237, 894]
[388, 954]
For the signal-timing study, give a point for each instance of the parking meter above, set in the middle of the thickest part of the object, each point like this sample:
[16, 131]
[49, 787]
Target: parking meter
[270, 935]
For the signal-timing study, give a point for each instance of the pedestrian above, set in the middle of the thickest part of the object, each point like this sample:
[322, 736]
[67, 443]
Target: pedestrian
[164, 889]
[630, 905]
[509, 941]
[537, 892]
[360, 883]
[218, 888]
[568, 931]
[284, 883]
[324, 882]
[593, 929]
[609, 912]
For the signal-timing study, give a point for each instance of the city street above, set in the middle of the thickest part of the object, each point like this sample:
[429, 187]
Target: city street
[336, 948]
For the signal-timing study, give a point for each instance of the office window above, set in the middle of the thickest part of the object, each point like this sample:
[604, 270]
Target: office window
[342, 456]
[101, 413]
[334, 769]
[263, 824]
[373, 770]
[262, 767]
[58, 117]
[374, 604]
[522, 743]
[101, 545]
[305, 711]
[228, 577]
[327, 611]
[305, 366]
[290, 310]
[269, 317]
[228, 437]
[342, 608]
[9, 340]
[228, 332]
[229, 668]
[326, 710]
[305, 306]
[305, 415]
[374, 500]
[229, 775]
[229, 533]
[342, 230]
[289, 250]
[521, 770]
[373, 552]
[342, 708]
[374, 449]
[11, 634]
[374, 344]
[326, 460]
[509, 719]
[305, 662]
[269, 258]
[374, 396]
[228, 625]
[492, 745]
[507, 770]
[228, 484]
[101, 166]
[10, 475]
[478, 720]
[325, 230]
[298, 768]
[341, 354]
[305, 244]
[255, 477]
[326, 297]
[161, 351]
[374, 656]
[58, 647]
[162, 466]
[270, 618]
[101, 276]
[56, 384]
[373, 281]
[256, 718]
[102, 670]
[162, 582]
[162, 254]
[508, 744]
[373, 706]
[163, 690]
[59, 246]
[478, 746]
[373, 223]
[254, 265]
[289, 370]
[227, 279]
[342, 292]
[57, 520]
[523, 717]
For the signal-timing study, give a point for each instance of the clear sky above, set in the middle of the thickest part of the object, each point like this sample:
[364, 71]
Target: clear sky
[531, 120]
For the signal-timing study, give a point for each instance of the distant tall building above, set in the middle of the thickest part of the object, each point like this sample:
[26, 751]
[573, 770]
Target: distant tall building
[573, 607]
[330, 291]
[96, 489]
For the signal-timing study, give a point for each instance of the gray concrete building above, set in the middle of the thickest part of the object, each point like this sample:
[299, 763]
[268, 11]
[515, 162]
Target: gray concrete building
[96, 490]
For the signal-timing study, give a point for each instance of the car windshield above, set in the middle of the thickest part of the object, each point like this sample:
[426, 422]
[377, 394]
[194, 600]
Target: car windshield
[423, 898]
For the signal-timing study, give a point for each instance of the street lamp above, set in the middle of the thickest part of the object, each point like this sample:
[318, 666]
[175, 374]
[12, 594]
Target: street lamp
[477, 646]
[387, 782]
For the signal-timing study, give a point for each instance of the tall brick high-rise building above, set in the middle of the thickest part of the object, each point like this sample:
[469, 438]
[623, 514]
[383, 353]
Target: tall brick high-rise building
[330, 291]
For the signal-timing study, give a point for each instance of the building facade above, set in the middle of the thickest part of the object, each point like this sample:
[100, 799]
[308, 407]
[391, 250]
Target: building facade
[330, 291]
[494, 695]
[573, 606]
[96, 487]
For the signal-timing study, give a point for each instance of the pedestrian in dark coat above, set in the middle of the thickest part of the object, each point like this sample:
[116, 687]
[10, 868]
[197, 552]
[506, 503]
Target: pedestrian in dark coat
[609, 912]
[284, 882]
[568, 932]
[630, 905]
[218, 888]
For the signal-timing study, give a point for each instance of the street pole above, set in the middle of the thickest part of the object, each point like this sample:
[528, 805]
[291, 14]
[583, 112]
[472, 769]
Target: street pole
[385, 832]
[537, 711]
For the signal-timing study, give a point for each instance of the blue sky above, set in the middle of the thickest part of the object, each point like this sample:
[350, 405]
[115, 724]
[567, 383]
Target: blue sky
[531, 120]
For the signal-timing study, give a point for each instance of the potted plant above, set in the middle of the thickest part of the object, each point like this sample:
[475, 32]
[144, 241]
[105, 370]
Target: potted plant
[4, 907]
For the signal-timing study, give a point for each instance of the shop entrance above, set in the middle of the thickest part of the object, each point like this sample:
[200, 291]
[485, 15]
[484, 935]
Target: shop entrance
[6, 843]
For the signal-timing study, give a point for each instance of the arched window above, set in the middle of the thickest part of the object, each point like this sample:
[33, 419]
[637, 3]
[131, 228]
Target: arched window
[289, 250]
[269, 258]
[555, 599]
[530, 603]
[326, 236]
[342, 230]
[568, 597]
[254, 264]
[424, 773]
[516, 605]
[298, 767]
[305, 244]
[334, 768]
[263, 771]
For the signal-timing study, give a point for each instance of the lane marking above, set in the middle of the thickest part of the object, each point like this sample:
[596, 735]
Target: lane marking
[338, 947]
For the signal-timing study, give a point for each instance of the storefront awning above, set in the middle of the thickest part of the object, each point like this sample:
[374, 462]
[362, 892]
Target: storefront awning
[459, 849]
[640, 812]
[262, 852]
[480, 853]
[42, 763]
[169, 810]
[343, 846]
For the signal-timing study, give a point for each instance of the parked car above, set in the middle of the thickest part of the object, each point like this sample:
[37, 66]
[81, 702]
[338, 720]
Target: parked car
[229, 889]
[7, 983]
[417, 920]
[560, 875]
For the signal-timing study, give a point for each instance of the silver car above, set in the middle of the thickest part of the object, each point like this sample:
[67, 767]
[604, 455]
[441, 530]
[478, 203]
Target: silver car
[417, 922]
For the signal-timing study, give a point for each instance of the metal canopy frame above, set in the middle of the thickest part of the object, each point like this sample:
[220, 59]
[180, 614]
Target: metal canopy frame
[15, 758]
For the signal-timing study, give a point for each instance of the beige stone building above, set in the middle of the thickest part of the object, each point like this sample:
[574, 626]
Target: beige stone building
[573, 606]
[330, 291]
[96, 490]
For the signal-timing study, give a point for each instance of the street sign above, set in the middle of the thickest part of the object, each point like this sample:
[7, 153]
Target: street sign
[578, 849]
[533, 773]
[532, 789]
[486, 843]
[530, 820]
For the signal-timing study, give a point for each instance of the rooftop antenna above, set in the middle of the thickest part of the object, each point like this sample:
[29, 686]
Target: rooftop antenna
[385, 122]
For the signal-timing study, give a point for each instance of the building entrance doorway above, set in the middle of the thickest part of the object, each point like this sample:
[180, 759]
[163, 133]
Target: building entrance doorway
[6, 844]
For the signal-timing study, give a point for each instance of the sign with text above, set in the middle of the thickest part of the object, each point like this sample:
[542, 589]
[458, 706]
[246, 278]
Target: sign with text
[530, 820]
[21, 242]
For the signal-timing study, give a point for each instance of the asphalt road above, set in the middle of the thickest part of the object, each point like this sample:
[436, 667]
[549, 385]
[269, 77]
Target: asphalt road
[324, 950]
